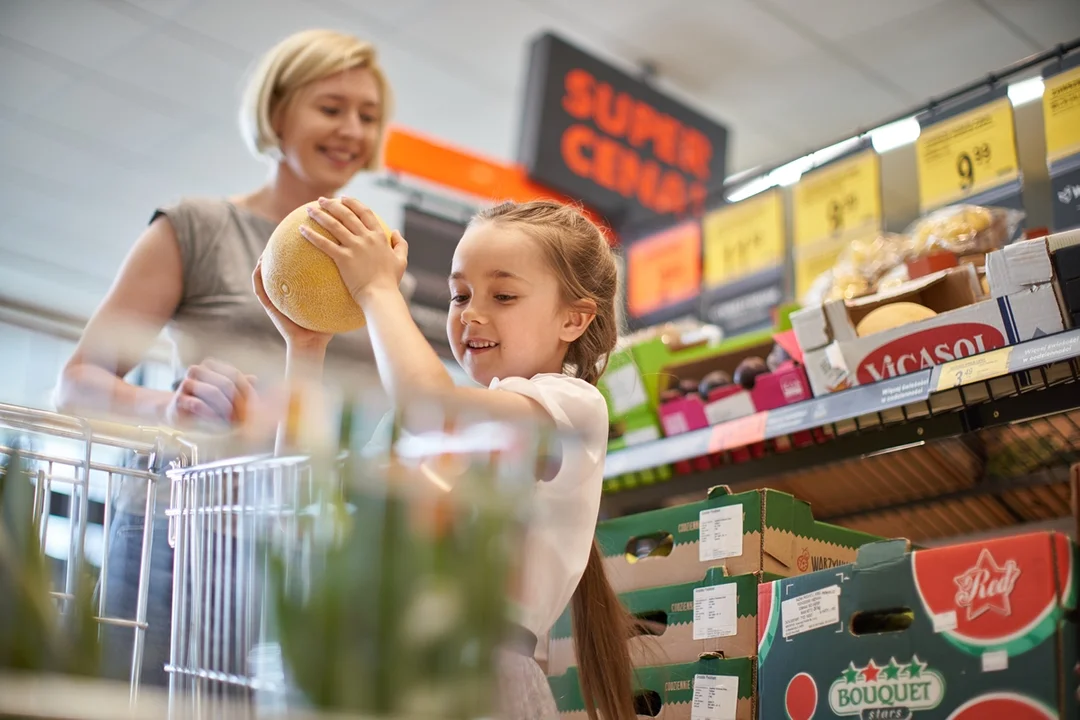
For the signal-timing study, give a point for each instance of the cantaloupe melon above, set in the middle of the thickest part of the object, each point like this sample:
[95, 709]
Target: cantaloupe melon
[891, 316]
[303, 282]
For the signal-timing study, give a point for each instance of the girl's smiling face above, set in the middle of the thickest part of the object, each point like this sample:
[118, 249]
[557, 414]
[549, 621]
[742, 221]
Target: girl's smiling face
[507, 317]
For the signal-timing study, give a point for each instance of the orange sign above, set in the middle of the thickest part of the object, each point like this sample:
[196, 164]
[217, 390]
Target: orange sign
[411, 153]
[664, 269]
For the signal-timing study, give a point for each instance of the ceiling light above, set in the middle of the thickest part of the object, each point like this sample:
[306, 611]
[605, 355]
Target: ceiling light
[1025, 91]
[896, 134]
[755, 186]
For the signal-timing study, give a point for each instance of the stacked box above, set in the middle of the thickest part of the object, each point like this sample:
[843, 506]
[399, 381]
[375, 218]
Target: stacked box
[707, 688]
[695, 595]
[984, 630]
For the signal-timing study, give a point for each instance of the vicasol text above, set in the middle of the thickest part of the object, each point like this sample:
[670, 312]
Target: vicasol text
[896, 690]
[924, 358]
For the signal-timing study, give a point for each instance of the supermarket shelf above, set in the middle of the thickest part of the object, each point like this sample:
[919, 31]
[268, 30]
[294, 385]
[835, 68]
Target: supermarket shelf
[952, 402]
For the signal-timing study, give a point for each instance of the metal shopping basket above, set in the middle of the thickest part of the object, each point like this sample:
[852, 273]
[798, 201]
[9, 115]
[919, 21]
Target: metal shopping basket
[78, 464]
[231, 520]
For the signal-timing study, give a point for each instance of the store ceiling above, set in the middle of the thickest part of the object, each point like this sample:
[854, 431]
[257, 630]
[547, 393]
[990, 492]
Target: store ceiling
[109, 107]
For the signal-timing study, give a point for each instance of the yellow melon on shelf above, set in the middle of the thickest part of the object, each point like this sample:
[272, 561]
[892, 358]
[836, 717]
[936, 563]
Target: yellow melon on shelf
[891, 316]
[303, 282]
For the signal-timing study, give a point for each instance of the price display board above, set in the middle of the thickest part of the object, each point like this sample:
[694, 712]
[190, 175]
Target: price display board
[663, 269]
[834, 205]
[1061, 115]
[744, 256]
[967, 154]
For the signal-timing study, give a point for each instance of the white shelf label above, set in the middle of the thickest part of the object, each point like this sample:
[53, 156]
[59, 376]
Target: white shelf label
[716, 697]
[810, 611]
[715, 612]
[721, 533]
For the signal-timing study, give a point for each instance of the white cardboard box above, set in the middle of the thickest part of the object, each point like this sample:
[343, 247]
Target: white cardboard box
[1023, 306]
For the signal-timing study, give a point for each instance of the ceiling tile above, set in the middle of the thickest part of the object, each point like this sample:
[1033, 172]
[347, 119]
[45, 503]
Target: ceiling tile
[391, 15]
[24, 80]
[938, 48]
[193, 78]
[841, 19]
[232, 22]
[1045, 22]
[109, 117]
[74, 29]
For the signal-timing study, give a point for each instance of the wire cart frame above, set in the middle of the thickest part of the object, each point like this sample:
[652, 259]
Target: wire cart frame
[72, 459]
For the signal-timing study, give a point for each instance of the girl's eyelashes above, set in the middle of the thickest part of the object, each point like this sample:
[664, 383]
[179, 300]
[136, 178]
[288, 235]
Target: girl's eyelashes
[458, 299]
[503, 297]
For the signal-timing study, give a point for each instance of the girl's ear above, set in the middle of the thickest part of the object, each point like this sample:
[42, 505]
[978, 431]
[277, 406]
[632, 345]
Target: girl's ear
[577, 320]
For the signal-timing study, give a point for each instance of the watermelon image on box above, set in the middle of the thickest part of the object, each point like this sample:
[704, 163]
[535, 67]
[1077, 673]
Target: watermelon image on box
[981, 630]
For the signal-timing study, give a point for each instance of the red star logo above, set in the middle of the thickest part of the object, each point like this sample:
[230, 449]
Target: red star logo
[870, 672]
[987, 586]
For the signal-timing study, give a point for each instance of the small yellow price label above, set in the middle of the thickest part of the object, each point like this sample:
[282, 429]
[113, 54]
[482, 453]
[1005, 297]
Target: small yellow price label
[838, 199]
[967, 154]
[974, 369]
[1061, 114]
[743, 239]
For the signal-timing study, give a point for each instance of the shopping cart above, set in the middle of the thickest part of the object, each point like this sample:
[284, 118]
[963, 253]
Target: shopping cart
[79, 464]
[248, 529]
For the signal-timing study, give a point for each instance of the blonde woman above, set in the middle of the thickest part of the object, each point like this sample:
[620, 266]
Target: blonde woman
[316, 106]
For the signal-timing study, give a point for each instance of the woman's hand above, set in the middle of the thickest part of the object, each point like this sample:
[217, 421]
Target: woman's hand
[212, 394]
[295, 336]
[359, 248]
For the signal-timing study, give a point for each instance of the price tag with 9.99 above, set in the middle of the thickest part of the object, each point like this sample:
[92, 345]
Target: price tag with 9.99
[967, 154]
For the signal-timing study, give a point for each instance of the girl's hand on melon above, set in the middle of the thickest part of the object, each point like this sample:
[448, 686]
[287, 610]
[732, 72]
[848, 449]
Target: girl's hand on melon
[295, 336]
[212, 393]
[361, 252]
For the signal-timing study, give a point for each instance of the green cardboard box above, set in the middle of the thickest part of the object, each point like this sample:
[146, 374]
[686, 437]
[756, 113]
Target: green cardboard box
[708, 688]
[715, 615]
[979, 631]
[749, 532]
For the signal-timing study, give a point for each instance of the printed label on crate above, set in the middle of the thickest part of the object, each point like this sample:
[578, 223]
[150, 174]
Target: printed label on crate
[721, 533]
[897, 689]
[716, 697]
[715, 612]
[810, 611]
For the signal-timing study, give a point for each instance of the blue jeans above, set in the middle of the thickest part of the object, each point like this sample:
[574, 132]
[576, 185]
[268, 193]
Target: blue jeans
[121, 599]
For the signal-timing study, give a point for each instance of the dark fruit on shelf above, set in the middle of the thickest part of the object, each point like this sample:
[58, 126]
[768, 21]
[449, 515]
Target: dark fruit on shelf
[688, 387]
[777, 357]
[672, 393]
[715, 379]
[749, 369]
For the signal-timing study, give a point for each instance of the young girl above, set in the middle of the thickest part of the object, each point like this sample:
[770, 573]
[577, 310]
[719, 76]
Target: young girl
[532, 319]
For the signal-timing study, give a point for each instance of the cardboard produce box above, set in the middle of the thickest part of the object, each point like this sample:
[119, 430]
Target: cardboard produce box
[716, 615]
[748, 532]
[708, 688]
[1024, 306]
[980, 631]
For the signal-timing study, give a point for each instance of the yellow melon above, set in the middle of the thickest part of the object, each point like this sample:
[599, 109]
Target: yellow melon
[891, 316]
[303, 282]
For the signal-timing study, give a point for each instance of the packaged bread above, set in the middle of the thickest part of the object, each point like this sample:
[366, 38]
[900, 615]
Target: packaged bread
[963, 230]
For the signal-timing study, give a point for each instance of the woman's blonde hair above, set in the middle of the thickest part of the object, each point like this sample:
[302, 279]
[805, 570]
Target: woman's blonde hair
[298, 60]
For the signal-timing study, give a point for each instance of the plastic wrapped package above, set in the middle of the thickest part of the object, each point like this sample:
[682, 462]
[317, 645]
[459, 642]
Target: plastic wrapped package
[963, 230]
[858, 268]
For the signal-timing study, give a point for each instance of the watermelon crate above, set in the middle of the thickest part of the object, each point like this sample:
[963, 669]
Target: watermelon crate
[708, 688]
[680, 623]
[980, 631]
[749, 532]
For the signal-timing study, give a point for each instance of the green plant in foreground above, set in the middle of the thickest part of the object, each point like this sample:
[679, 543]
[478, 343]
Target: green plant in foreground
[35, 636]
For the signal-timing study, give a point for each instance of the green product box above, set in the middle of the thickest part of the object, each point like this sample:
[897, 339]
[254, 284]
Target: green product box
[707, 688]
[679, 623]
[980, 631]
[623, 387]
[749, 532]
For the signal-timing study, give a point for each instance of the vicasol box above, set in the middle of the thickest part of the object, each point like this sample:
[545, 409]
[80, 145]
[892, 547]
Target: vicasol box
[755, 531]
[1024, 306]
[705, 689]
[716, 615]
[980, 631]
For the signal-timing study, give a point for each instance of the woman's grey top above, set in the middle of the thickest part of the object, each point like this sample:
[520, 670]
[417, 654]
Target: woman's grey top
[218, 315]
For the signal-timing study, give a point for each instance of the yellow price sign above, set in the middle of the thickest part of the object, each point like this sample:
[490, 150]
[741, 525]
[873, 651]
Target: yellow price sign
[743, 239]
[838, 199]
[1061, 114]
[967, 154]
[974, 369]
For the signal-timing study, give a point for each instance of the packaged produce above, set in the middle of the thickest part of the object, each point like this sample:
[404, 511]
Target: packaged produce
[963, 230]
